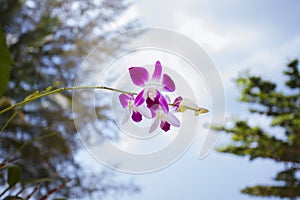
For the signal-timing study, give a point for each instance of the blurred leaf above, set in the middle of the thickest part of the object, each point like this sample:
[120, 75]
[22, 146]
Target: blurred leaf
[5, 62]
[14, 175]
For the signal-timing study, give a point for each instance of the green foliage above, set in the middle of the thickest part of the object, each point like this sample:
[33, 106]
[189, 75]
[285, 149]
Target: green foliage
[13, 175]
[278, 191]
[283, 108]
[5, 62]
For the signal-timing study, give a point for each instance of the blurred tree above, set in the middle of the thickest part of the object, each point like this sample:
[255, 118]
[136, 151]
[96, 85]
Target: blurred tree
[47, 40]
[281, 145]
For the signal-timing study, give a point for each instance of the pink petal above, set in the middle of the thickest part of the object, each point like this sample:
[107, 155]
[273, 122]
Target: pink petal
[164, 126]
[154, 125]
[163, 103]
[172, 119]
[124, 98]
[177, 102]
[168, 83]
[139, 99]
[139, 75]
[157, 71]
[136, 116]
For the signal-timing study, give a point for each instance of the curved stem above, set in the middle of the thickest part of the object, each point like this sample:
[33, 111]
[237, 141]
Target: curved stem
[60, 90]
[196, 109]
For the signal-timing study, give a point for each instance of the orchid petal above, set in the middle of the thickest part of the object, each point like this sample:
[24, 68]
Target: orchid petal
[172, 119]
[126, 117]
[136, 116]
[139, 99]
[157, 72]
[168, 99]
[177, 103]
[124, 98]
[163, 103]
[154, 125]
[139, 75]
[145, 111]
[168, 83]
[164, 126]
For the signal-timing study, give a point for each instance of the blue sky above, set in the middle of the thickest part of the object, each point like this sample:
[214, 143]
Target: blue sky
[259, 36]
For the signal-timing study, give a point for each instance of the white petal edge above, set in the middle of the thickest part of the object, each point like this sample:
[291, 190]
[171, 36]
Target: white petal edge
[144, 110]
[172, 119]
[154, 125]
[126, 116]
[168, 99]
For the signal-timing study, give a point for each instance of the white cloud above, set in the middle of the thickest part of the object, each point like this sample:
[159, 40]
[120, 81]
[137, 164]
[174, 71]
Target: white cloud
[215, 40]
[201, 32]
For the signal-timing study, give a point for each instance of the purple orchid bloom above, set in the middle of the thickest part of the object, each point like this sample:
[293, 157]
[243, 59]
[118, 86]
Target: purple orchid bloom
[150, 101]
[135, 106]
[165, 120]
[153, 86]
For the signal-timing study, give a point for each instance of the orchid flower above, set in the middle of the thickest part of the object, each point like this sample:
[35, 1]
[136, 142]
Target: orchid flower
[153, 86]
[165, 120]
[135, 106]
[151, 103]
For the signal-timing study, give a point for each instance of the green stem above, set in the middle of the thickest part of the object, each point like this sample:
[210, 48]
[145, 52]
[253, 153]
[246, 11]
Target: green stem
[8, 121]
[60, 90]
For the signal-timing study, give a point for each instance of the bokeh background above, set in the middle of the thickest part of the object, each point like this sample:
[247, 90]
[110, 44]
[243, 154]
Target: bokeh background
[48, 40]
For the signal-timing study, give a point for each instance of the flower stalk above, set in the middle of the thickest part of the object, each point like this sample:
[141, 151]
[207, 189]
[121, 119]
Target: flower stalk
[58, 90]
[151, 102]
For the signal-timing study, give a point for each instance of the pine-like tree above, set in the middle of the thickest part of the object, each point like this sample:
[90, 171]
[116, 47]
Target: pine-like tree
[283, 108]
